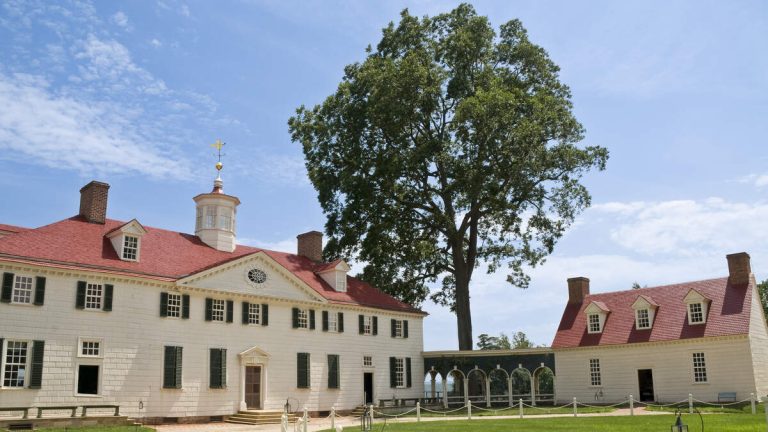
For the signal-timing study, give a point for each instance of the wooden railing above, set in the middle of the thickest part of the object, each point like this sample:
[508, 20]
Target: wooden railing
[71, 408]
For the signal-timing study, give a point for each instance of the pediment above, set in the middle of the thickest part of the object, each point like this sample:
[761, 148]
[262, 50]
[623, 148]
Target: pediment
[644, 302]
[254, 355]
[694, 296]
[596, 307]
[133, 228]
[256, 274]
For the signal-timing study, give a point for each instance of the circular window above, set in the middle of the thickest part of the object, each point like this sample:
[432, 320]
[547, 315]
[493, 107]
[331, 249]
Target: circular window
[257, 276]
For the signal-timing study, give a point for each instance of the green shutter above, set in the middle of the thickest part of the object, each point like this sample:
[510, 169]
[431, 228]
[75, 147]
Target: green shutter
[392, 327]
[163, 304]
[185, 306]
[392, 372]
[230, 311]
[80, 301]
[302, 370]
[408, 382]
[333, 371]
[7, 288]
[311, 319]
[405, 329]
[108, 292]
[39, 290]
[208, 309]
[375, 320]
[295, 317]
[218, 368]
[172, 367]
[2, 355]
[246, 312]
[36, 374]
[361, 322]
[341, 322]
[325, 320]
[265, 314]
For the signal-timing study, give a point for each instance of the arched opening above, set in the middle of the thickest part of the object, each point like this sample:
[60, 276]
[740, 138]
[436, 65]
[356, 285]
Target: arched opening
[499, 386]
[454, 386]
[521, 384]
[476, 383]
[433, 387]
[544, 384]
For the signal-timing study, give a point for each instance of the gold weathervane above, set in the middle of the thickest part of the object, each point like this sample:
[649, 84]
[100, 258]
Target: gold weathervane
[218, 145]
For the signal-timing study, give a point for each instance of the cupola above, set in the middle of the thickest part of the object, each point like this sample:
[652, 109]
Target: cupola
[216, 213]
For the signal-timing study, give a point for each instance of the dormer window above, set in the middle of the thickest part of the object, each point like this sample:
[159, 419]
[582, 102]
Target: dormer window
[126, 240]
[341, 281]
[698, 305]
[335, 274]
[645, 310]
[130, 248]
[596, 313]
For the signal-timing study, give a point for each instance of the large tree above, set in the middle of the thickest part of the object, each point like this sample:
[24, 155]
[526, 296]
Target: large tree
[449, 146]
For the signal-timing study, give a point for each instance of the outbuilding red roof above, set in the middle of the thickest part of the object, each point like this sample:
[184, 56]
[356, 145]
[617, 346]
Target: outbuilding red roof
[166, 255]
[728, 315]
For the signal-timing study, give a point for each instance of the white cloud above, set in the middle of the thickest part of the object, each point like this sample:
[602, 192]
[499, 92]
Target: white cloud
[758, 180]
[184, 10]
[155, 43]
[41, 127]
[121, 20]
[688, 227]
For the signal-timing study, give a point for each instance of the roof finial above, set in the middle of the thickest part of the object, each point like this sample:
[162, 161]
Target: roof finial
[218, 184]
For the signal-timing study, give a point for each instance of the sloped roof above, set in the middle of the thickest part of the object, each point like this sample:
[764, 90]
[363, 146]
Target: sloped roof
[728, 315]
[12, 228]
[167, 255]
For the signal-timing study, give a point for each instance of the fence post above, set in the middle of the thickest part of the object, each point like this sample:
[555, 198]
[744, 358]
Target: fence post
[418, 411]
[333, 418]
[575, 413]
[690, 403]
[631, 405]
[371, 414]
[765, 404]
[752, 403]
[521, 407]
[284, 422]
[306, 419]
[469, 411]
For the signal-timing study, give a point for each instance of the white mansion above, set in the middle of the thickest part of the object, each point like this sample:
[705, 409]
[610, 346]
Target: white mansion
[166, 324]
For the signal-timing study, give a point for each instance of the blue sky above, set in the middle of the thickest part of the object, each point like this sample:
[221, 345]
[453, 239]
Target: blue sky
[132, 93]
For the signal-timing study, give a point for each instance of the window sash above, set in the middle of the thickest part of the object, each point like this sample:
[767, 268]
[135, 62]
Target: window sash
[254, 313]
[333, 322]
[217, 310]
[93, 296]
[15, 365]
[130, 247]
[90, 348]
[643, 319]
[210, 217]
[303, 319]
[368, 361]
[174, 305]
[367, 325]
[595, 377]
[699, 368]
[22, 290]
[399, 328]
[399, 372]
[594, 323]
[696, 313]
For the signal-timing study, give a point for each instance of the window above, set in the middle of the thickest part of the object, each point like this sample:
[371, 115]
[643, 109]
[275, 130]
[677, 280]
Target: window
[367, 361]
[699, 368]
[695, 313]
[643, 319]
[217, 310]
[594, 323]
[88, 379]
[302, 370]
[130, 248]
[90, 348]
[22, 289]
[399, 372]
[333, 371]
[210, 217]
[333, 322]
[174, 305]
[399, 328]
[15, 365]
[341, 281]
[199, 219]
[172, 367]
[303, 318]
[93, 295]
[225, 219]
[368, 325]
[594, 372]
[254, 313]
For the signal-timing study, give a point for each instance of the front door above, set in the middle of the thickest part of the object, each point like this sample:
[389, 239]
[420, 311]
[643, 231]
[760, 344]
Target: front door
[368, 387]
[253, 387]
[645, 384]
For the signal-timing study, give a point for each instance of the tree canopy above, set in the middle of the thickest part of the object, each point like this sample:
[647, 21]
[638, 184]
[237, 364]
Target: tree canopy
[448, 146]
[502, 342]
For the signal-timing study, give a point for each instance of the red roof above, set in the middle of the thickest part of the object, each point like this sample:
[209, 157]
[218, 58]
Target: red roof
[728, 315]
[12, 228]
[167, 255]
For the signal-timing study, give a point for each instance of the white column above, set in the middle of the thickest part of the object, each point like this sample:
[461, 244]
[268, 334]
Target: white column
[533, 390]
[466, 391]
[487, 392]
[243, 405]
[434, 389]
[509, 392]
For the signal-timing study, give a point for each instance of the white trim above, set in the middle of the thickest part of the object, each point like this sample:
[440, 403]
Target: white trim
[80, 341]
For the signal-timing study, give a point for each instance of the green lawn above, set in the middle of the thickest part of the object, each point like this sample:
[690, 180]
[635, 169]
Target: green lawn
[744, 408]
[713, 422]
[99, 429]
[515, 411]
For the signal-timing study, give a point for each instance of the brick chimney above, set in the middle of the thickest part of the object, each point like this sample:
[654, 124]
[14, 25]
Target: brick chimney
[739, 268]
[311, 245]
[93, 202]
[578, 288]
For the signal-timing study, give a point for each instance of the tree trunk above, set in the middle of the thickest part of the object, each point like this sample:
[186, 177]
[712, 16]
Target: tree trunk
[463, 313]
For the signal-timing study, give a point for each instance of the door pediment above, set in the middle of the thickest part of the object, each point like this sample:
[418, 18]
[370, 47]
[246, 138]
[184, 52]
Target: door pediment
[254, 355]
